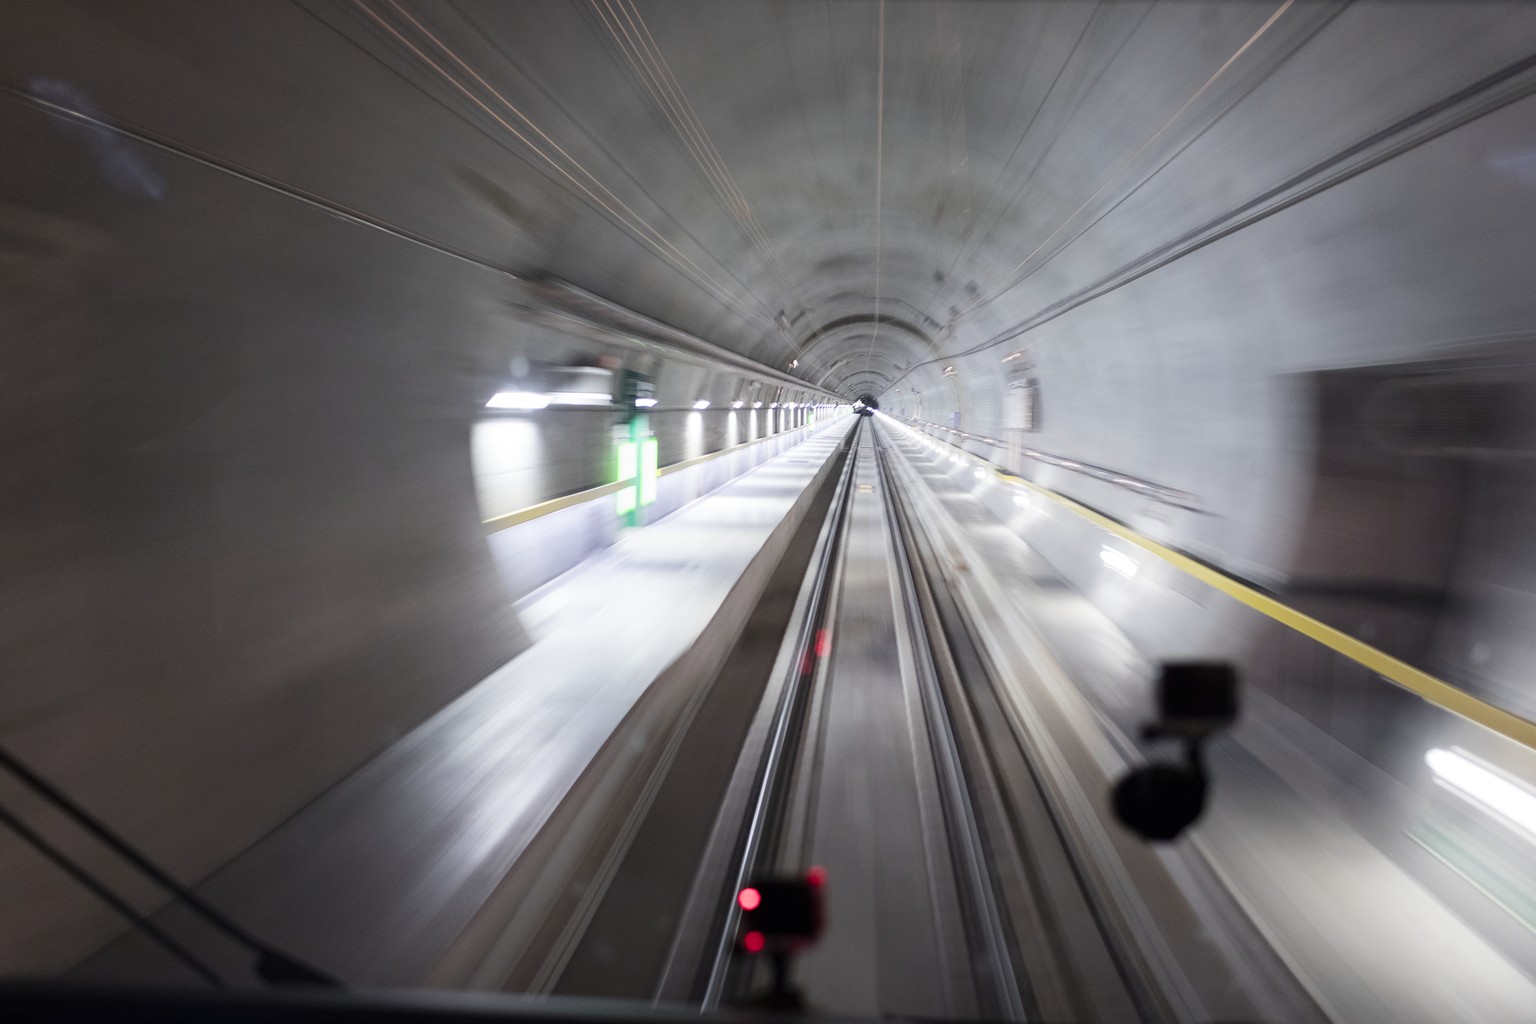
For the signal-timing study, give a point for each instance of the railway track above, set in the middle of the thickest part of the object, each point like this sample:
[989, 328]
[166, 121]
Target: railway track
[887, 763]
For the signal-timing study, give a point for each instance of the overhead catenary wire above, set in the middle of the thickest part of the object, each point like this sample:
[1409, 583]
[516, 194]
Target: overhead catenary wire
[879, 173]
[1010, 280]
[1171, 156]
[967, 247]
[567, 166]
[628, 28]
[334, 208]
[1507, 85]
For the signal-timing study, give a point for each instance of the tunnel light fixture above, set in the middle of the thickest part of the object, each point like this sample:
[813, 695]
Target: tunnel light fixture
[757, 405]
[773, 405]
[1118, 562]
[737, 404]
[579, 398]
[517, 400]
[645, 403]
[701, 405]
[1487, 789]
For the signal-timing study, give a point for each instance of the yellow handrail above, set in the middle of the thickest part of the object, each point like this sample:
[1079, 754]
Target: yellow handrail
[1436, 691]
[510, 519]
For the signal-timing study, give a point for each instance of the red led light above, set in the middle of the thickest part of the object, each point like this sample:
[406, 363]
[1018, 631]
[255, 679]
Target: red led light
[753, 942]
[816, 876]
[823, 643]
[749, 898]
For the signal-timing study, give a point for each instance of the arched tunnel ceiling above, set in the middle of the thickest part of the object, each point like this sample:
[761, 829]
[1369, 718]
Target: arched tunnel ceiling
[855, 188]
[750, 172]
[783, 168]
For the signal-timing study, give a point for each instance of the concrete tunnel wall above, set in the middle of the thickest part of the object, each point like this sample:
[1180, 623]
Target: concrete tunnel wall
[244, 548]
[524, 459]
[241, 530]
[1204, 374]
[1188, 376]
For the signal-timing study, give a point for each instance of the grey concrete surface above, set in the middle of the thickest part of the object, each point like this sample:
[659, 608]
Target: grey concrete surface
[893, 943]
[241, 550]
[1370, 933]
[377, 880]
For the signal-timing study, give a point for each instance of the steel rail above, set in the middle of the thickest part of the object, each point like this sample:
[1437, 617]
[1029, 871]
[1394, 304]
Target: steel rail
[775, 774]
[997, 982]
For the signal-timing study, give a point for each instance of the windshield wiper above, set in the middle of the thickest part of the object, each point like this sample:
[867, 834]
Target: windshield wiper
[272, 965]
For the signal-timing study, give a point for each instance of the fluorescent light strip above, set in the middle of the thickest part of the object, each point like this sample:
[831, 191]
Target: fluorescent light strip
[1487, 789]
[1119, 561]
[645, 403]
[517, 400]
[580, 398]
[701, 404]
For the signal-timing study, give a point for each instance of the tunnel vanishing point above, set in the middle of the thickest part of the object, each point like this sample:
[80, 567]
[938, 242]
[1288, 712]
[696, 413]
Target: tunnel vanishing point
[436, 529]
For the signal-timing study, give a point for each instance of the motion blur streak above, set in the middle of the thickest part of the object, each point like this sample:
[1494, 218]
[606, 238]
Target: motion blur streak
[628, 217]
[491, 489]
[1504, 797]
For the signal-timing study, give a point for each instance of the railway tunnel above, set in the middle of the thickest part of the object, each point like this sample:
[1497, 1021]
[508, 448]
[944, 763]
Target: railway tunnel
[484, 482]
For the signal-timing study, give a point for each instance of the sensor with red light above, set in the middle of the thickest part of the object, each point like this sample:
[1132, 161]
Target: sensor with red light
[781, 915]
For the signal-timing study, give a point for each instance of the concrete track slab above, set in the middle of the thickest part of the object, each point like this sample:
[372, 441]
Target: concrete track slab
[893, 943]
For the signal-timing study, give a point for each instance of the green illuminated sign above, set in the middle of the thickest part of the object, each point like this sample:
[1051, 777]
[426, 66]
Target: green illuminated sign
[636, 469]
[628, 463]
